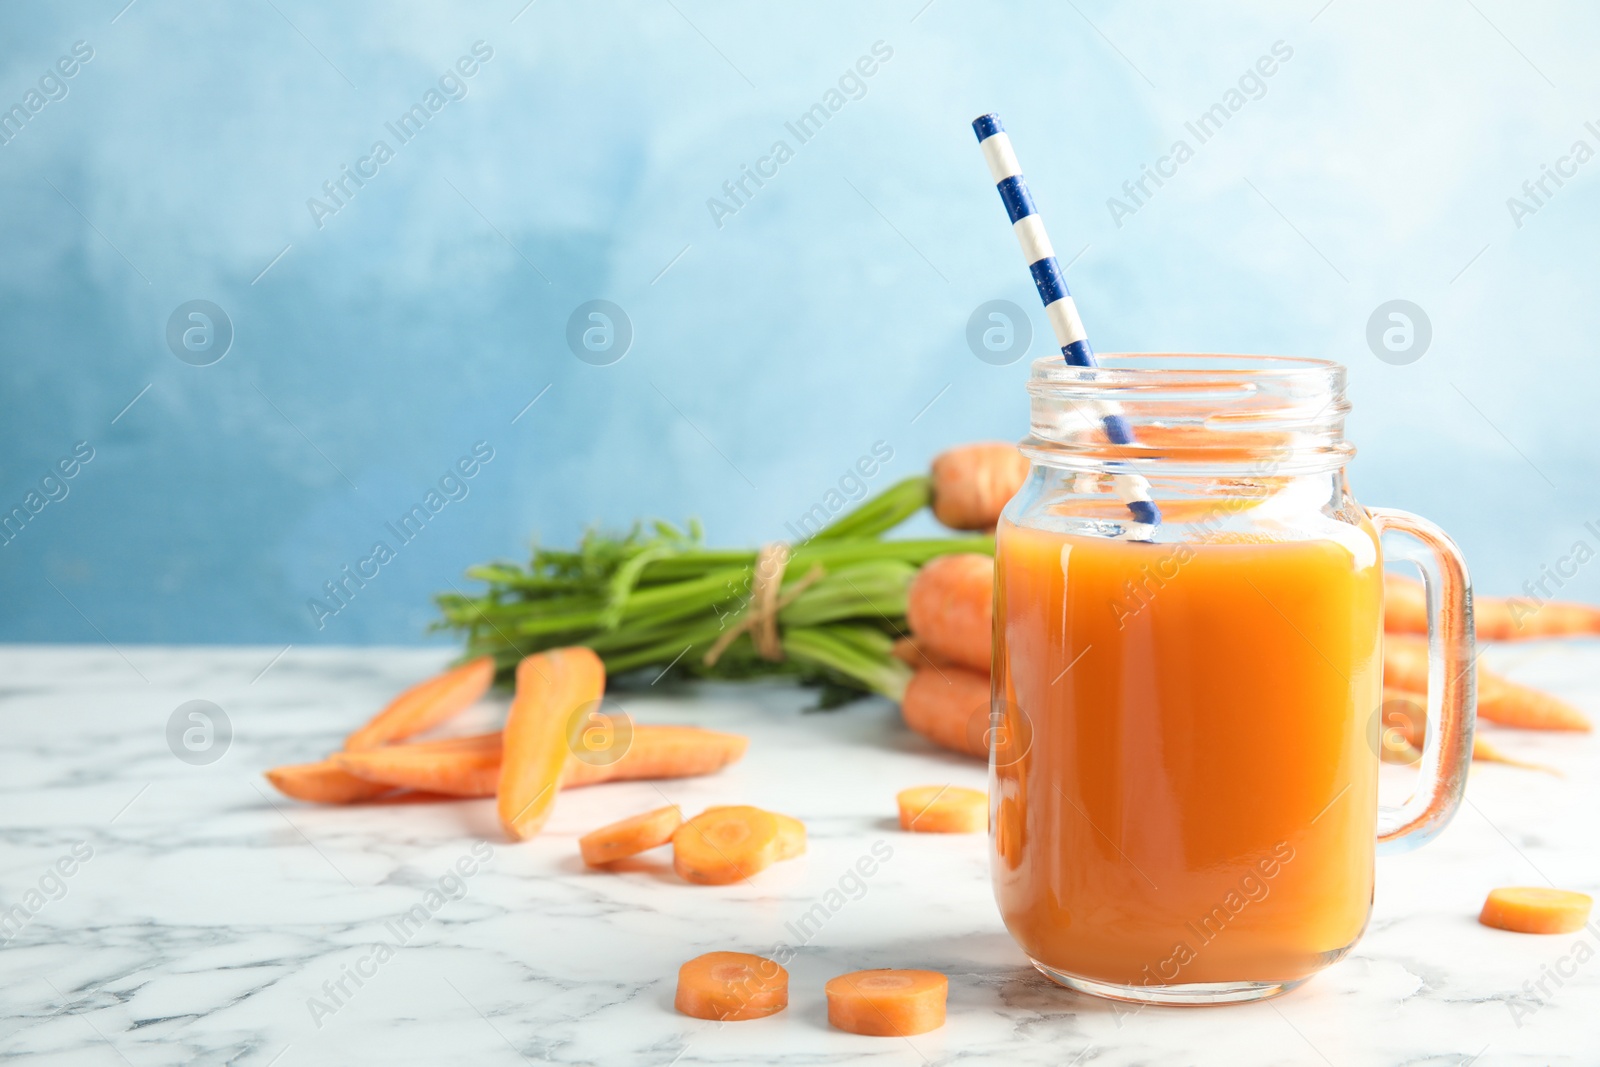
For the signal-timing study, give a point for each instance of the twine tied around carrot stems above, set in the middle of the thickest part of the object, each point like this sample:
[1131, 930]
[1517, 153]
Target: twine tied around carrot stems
[760, 618]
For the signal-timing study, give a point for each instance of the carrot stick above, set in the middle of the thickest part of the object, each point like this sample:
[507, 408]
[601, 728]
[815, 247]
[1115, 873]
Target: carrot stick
[1509, 704]
[551, 687]
[950, 606]
[1498, 618]
[324, 782]
[1500, 700]
[943, 809]
[973, 483]
[1404, 725]
[662, 752]
[461, 762]
[887, 1003]
[731, 987]
[950, 707]
[629, 837]
[425, 705]
[457, 768]
[725, 845]
[1404, 609]
[1535, 910]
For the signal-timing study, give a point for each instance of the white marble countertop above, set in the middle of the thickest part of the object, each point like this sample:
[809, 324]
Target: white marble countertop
[209, 911]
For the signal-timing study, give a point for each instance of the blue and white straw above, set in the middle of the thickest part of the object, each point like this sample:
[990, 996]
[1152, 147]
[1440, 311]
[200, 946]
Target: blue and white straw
[1058, 305]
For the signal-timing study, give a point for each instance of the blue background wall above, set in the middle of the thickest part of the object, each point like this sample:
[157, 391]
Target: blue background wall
[774, 349]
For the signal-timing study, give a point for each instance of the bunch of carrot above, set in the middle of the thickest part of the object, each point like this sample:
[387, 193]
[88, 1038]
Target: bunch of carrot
[544, 747]
[663, 602]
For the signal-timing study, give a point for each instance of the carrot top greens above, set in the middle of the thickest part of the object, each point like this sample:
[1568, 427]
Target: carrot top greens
[658, 599]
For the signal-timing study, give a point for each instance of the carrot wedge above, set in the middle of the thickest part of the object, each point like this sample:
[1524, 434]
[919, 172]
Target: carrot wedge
[887, 1003]
[1510, 704]
[1536, 910]
[731, 987]
[425, 705]
[464, 767]
[551, 687]
[324, 782]
[629, 837]
[662, 752]
[470, 766]
[1500, 700]
[725, 845]
[943, 809]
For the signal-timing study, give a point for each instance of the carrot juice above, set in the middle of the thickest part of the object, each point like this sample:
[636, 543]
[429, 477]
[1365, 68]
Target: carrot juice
[1190, 794]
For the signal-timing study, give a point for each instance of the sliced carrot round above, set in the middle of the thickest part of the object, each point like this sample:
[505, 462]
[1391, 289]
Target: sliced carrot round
[791, 833]
[629, 837]
[731, 986]
[887, 1003]
[725, 845]
[1535, 910]
[943, 809]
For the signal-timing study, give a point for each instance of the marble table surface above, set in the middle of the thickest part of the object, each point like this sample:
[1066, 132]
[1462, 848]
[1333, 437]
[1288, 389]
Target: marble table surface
[177, 912]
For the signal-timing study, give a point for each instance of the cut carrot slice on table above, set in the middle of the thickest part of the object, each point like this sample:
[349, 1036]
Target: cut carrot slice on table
[887, 1003]
[662, 752]
[791, 833]
[470, 766]
[731, 987]
[324, 782]
[456, 766]
[943, 809]
[629, 837]
[725, 845]
[1535, 910]
[426, 705]
[551, 686]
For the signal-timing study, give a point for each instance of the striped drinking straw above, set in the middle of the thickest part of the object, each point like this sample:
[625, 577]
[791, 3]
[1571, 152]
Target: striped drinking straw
[1058, 305]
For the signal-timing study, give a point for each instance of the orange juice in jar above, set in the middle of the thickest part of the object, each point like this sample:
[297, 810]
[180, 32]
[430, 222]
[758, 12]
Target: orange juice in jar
[1185, 801]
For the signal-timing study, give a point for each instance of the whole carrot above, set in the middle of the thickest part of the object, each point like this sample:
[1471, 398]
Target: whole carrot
[425, 705]
[950, 707]
[973, 483]
[950, 607]
[551, 688]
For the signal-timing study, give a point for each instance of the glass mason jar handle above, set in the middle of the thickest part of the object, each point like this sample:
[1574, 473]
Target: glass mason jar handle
[1452, 684]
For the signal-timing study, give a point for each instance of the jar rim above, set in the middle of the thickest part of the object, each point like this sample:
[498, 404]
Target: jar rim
[1134, 367]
